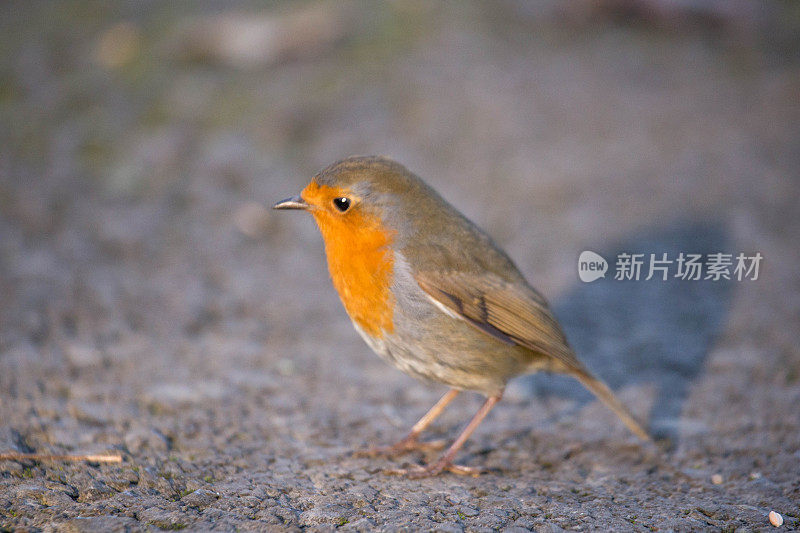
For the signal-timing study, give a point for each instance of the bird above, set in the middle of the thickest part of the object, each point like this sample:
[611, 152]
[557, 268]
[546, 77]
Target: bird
[432, 294]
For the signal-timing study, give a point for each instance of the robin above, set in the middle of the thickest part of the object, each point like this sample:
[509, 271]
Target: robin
[432, 294]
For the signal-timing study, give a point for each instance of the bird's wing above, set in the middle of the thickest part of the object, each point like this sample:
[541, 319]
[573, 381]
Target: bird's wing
[510, 313]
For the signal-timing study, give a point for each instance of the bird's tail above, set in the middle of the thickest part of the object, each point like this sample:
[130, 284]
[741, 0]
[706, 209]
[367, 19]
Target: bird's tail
[605, 395]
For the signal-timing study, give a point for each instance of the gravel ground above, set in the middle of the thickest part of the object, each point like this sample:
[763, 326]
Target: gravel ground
[152, 305]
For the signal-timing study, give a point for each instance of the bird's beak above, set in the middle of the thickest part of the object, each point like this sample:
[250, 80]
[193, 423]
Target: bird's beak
[295, 202]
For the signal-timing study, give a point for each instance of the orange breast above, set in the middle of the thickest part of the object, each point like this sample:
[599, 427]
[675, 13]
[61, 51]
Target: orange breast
[360, 262]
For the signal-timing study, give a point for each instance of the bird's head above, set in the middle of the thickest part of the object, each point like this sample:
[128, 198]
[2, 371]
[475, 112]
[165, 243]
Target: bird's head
[362, 200]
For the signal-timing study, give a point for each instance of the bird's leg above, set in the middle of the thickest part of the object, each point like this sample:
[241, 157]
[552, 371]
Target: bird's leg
[445, 462]
[411, 441]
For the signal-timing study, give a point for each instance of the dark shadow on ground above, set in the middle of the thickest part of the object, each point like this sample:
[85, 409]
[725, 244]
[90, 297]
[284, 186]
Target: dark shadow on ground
[652, 331]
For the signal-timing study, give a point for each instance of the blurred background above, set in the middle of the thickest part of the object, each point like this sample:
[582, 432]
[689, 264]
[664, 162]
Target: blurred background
[142, 273]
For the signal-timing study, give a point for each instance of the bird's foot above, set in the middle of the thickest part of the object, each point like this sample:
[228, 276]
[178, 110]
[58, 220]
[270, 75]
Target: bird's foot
[434, 469]
[404, 446]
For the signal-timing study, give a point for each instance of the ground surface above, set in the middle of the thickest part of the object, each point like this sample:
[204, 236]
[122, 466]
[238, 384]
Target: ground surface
[150, 304]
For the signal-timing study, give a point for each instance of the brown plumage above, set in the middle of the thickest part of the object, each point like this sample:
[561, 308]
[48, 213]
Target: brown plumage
[431, 293]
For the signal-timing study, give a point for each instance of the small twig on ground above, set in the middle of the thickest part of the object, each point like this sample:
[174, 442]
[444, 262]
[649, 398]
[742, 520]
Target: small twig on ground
[92, 458]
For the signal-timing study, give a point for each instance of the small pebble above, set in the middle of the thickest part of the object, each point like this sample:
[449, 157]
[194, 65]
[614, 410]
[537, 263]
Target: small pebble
[716, 479]
[468, 511]
[775, 519]
[83, 356]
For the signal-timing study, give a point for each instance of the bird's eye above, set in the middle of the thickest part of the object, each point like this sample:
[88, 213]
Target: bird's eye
[342, 203]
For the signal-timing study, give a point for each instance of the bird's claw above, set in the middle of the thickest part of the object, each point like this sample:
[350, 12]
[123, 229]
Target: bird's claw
[434, 469]
[404, 446]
